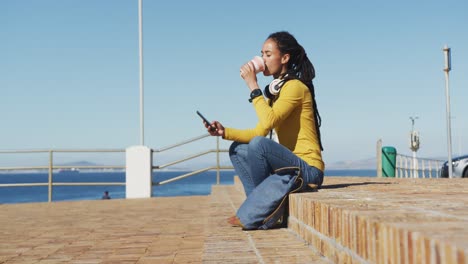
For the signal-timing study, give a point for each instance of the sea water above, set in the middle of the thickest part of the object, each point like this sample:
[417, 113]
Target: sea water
[199, 184]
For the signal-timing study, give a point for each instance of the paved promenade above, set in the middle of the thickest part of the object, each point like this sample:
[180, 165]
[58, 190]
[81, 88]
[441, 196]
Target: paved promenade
[159, 230]
[350, 220]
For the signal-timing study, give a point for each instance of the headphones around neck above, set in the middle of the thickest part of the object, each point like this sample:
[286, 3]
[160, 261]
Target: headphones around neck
[274, 88]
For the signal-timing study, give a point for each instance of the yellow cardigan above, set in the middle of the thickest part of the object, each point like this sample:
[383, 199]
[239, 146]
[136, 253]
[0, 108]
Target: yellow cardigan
[292, 117]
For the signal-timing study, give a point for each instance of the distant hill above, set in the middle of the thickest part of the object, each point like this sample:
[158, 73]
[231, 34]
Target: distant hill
[79, 163]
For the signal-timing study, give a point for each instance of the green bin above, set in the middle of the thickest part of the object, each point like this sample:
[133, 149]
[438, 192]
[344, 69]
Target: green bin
[388, 161]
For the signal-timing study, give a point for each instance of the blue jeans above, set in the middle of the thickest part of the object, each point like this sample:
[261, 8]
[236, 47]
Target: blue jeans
[269, 172]
[255, 161]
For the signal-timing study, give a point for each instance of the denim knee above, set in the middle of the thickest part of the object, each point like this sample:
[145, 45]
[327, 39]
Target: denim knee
[257, 142]
[232, 148]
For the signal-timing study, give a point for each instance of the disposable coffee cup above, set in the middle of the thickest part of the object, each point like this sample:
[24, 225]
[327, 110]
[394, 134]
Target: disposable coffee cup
[258, 64]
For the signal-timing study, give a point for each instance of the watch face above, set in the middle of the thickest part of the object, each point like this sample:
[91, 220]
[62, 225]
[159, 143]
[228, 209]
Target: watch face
[256, 92]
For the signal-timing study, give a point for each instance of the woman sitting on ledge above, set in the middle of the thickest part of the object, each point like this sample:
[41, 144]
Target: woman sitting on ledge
[270, 171]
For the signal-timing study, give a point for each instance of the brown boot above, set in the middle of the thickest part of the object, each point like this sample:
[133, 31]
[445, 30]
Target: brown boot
[234, 221]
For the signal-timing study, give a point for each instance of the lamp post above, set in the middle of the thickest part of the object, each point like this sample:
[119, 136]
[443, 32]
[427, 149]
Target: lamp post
[414, 146]
[447, 69]
[138, 159]
[140, 40]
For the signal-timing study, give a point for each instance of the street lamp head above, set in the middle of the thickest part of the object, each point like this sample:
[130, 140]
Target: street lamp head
[413, 118]
[448, 59]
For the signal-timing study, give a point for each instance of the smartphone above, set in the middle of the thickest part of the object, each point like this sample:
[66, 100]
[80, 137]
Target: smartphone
[206, 120]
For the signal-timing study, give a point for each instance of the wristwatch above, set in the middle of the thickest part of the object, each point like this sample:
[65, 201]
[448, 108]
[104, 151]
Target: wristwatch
[255, 93]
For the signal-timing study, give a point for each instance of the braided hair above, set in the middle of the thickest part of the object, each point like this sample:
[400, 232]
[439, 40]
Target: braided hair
[299, 67]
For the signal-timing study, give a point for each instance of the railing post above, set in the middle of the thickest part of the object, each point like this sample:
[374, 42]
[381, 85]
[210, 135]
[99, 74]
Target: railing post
[430, 168]
[217, 160]
[415, 166]
[406, 167]
[400, 170]
[412, 168]
[138, 171]
[51, 167]
[423, 169]
[379, 158]
[398, 167]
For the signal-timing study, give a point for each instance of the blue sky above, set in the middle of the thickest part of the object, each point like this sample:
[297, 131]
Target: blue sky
[69, 71]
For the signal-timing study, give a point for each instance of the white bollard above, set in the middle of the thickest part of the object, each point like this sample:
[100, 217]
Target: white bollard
[138, 172]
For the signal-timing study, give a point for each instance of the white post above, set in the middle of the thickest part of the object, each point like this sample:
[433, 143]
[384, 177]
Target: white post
[138, 172]
[402, 168]
[406, 167]
[430, 169]
[447, 68]
[415, 166]
[412, 168]
[414, 146]
[423, 169]
[397, 167]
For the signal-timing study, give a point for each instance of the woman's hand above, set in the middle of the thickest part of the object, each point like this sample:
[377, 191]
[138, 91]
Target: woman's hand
[247, 72]
[215, 128]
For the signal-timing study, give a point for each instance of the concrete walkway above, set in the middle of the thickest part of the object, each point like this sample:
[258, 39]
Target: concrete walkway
[349, 220]
[159, 230]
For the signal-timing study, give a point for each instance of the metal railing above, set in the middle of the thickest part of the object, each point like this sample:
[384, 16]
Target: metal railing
[51, 167]
[218, 167]
[408, 167]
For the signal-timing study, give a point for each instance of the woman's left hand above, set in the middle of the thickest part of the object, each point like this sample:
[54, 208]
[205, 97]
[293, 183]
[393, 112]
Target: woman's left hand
[247, 72]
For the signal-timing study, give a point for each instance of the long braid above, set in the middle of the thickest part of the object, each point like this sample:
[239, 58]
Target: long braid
[299, 67]
[317, 119]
